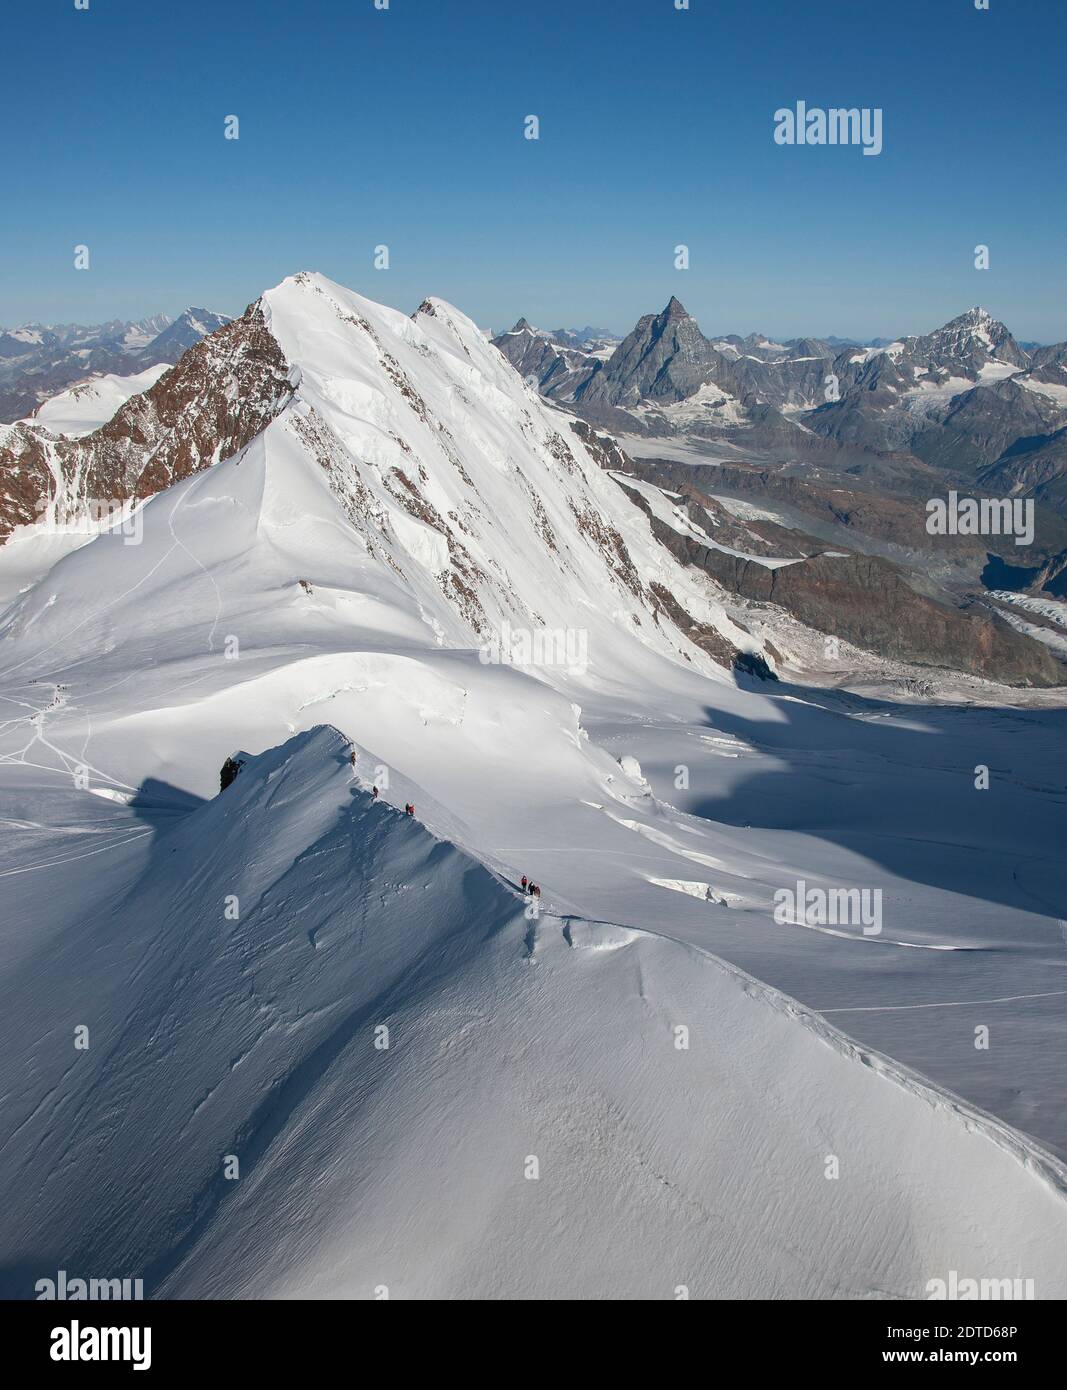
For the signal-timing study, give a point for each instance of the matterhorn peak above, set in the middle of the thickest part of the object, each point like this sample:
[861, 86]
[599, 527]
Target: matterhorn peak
[676, 309]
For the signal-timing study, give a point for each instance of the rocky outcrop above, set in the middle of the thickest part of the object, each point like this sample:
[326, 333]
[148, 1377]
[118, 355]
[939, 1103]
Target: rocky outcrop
[186, 330]
[894, 520]
[864, 600]
[703, 635]
[867, 601]
[606, 450]
[965, 344]
[1033, 467]
[556, 363]
[208, 407]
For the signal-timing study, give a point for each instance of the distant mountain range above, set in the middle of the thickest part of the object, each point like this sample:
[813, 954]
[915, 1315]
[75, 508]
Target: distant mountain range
[966, 399]
[39, 360]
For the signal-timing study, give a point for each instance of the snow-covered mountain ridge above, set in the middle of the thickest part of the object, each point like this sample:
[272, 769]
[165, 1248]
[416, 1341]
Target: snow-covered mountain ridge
[466, 486]
[384, 1042]
[346, 508]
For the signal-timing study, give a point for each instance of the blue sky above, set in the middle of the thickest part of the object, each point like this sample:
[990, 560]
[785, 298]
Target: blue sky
[405, 127]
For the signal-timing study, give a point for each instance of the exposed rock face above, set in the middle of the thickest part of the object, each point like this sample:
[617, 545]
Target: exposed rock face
[702, 635]
[897, 521]
[966, 399]
[488, 512]
[864, 600]
[1048, 368]
[227, 388]
[666, 357]
[984, 424]
[1057, 586]
[558, 363]
[867, 602]
[1052, 577]
[25, 476]
[960, 433]
[213, 403]
[603, 447]
[1035, 467]
[966, 344]
[872, 381]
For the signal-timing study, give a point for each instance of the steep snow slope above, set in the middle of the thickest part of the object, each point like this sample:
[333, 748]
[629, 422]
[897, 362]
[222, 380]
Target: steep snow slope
[249, 1032]
[83, 407]
[351, 565]
[429, 437]
[465, 485]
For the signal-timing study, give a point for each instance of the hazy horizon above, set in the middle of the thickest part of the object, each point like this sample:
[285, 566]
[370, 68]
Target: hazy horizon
[574, 323]
[405, 127]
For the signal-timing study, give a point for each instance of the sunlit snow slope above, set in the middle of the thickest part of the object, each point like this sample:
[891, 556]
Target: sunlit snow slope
[343, 577]
[87, 405]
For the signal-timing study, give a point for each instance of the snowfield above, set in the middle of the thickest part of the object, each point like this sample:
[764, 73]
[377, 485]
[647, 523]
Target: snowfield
[85, 406]
[641, 1082]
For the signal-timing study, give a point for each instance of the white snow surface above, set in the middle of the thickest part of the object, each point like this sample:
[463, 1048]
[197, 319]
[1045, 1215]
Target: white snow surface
[233, 954]
[1052, 609]
[708, 403]
[1052, 390]
[86, 406]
